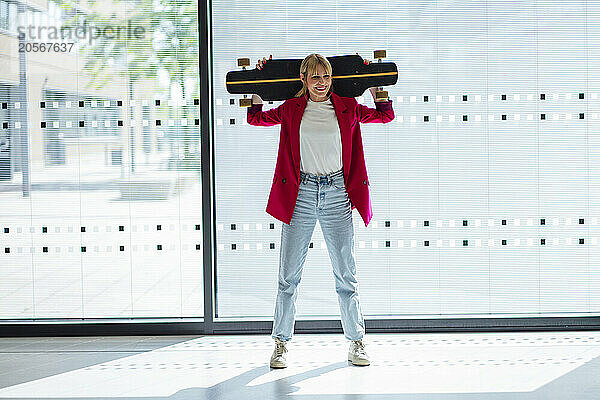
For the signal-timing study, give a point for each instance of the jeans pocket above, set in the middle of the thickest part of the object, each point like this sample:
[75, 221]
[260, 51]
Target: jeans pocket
[338, 183]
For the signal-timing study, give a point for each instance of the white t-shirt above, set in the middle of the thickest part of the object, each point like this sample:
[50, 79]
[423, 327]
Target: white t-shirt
[320, 139]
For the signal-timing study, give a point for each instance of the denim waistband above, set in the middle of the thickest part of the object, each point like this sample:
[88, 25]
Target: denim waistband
[321, 178]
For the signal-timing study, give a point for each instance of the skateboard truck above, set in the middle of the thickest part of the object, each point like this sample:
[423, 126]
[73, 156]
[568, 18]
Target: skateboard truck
[380, 93]
[244, 62]
[379, 54]
[245, 102]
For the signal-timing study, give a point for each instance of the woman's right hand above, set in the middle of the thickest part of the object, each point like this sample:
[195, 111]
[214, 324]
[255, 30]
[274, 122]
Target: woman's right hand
[259, 65]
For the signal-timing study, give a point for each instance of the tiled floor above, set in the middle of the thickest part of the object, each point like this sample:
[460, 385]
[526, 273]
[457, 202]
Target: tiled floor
[546, 365]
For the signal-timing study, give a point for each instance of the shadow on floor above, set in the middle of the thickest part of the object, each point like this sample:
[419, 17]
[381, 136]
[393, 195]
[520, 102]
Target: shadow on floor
[582, 383]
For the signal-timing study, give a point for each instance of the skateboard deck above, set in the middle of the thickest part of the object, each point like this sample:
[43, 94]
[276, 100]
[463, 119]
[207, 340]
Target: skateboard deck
[279, 79]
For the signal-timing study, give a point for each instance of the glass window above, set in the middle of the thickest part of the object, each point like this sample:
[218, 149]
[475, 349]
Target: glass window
[36, 21]
[112, 223]
[12, 20]
[440, 188]
[3, 14]
[51, 8]
[29, 14]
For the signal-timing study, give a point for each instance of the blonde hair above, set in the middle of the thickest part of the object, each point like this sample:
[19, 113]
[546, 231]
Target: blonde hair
[309, 67]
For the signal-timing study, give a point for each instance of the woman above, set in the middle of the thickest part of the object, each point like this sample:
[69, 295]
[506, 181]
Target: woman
[320, 175]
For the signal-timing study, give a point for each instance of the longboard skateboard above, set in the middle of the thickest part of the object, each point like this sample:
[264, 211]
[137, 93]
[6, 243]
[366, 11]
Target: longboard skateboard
[279, 79]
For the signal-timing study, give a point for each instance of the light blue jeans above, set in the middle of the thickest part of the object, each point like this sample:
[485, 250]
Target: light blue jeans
[322, 198]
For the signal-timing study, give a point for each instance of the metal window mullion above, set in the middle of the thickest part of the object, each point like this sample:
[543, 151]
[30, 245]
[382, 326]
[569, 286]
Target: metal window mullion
[206, 136]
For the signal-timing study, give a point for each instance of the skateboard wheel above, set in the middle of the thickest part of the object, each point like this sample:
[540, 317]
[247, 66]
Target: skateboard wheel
[381, 94]
[243, 62]
[379, 54]
[245, 102]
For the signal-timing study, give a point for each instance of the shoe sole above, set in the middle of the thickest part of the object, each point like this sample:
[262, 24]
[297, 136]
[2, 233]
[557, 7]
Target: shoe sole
[360, 363]
[278, 366]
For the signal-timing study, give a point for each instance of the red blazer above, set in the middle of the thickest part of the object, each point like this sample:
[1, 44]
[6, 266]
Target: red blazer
[286, 181]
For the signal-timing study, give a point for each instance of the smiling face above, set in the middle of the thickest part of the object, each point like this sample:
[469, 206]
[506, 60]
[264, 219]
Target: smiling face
[318, 84]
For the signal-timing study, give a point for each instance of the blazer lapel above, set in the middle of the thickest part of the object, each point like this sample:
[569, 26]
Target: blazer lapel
[297, 113]
[343, 114]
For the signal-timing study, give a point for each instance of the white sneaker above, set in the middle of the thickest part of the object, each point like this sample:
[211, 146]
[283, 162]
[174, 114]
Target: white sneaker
[278, 357]
[357, 353]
